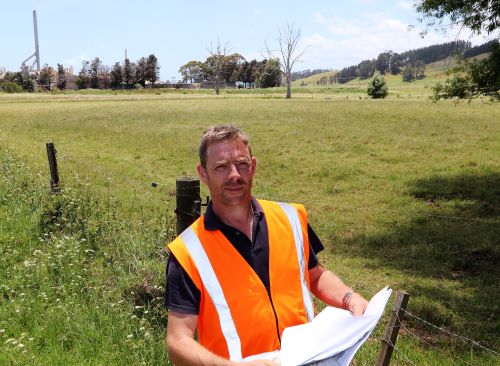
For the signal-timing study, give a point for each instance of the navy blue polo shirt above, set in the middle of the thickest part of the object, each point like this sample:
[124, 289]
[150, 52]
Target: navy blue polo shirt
[183, 296]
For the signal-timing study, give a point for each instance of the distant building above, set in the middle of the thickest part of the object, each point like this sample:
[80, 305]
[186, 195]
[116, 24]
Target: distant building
[2, 72]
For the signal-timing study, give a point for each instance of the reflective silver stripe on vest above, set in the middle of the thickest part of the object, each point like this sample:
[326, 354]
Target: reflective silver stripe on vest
[214, 289]
[293, 217]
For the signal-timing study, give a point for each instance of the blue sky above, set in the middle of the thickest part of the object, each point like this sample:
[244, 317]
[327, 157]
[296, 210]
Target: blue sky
[336, 33]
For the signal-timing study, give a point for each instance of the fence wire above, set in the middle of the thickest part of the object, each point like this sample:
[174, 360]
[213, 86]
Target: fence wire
[466, 339]
[400, 352]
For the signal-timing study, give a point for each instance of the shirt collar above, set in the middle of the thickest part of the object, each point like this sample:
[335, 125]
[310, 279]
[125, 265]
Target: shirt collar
[213, 222]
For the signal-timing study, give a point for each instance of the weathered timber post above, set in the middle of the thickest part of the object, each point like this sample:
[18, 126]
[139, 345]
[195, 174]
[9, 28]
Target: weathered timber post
[392, 329]
[188, 202]
[54, 174]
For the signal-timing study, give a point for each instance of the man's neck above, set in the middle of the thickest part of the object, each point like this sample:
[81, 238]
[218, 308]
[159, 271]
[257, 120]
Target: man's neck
[240, 217]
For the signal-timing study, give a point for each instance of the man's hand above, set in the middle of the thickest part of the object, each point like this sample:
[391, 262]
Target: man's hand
[357, 304]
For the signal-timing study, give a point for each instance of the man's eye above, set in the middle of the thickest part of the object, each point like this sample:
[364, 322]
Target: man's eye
[219, 167]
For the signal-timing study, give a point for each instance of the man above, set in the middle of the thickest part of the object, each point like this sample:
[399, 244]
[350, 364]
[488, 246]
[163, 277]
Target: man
[242, 273]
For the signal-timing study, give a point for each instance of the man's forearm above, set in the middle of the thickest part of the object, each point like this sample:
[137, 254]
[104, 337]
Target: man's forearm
[330, 289]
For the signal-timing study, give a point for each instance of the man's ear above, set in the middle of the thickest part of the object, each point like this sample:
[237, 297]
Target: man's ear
[202, 173]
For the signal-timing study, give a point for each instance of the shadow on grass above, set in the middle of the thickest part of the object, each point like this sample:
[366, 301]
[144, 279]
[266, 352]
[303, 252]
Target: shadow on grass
[458, 239]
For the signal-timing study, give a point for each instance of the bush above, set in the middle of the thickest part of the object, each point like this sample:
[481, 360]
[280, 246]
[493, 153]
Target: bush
[11, 87]
[457, 87]
[378, 87]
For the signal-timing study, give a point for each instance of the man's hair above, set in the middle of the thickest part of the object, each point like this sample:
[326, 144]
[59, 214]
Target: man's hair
[218, 134]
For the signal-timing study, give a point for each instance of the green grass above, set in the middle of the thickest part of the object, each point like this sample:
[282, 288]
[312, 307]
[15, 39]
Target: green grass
[74, 277]
[403, 192]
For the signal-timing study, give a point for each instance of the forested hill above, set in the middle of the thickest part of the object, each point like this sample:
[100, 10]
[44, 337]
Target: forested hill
[412, 62]
[306, 73]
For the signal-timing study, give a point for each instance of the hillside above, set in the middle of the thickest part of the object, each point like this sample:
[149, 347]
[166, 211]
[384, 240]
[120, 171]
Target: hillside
[426, 65]
[434, 72]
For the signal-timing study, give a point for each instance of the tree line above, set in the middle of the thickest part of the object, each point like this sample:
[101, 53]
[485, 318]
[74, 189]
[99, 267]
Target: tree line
[93, 74]
[410, 64]
[125, 75]
[232, 69]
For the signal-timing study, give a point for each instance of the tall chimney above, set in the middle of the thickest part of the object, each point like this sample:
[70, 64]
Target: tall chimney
[37, 50]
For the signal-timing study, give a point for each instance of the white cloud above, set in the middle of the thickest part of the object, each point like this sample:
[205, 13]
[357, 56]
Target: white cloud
[318, 18]
[348, 42]
[405, 5]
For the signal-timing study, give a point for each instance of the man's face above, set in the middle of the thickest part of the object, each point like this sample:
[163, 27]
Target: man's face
[229, 173]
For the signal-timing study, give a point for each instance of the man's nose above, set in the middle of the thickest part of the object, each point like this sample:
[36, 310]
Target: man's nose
[234, 172]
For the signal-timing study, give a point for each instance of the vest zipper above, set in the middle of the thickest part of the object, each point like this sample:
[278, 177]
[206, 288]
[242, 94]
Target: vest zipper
[275, 315]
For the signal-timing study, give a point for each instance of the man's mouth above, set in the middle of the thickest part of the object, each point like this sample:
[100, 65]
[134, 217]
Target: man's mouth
[234, 188]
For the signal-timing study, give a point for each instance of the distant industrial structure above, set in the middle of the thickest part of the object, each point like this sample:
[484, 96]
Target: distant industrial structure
[24, 68]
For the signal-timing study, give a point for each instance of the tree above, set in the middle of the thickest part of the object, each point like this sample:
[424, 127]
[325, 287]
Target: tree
[104, 76]
[395, 63]
[288, 42]
[271, 75]
[419, 69]
[378, 86]
[408, 73]
[152, 69]
[45, 77]
[388, 61]
[473, 78]
[480, 77]
[382, 64]
[478, 15]
[366, 69]
[61, 77]
[213, 67]
[192, 72]
[128, 73]
[82, 82]
[116, 76]
[95, 65]
[140, 71]
[231, 68]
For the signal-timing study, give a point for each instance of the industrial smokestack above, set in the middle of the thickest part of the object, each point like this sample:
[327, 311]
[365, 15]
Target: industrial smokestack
[37, 50]
[25, 70]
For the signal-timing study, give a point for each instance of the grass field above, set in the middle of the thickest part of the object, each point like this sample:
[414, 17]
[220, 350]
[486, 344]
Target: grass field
[402, 192]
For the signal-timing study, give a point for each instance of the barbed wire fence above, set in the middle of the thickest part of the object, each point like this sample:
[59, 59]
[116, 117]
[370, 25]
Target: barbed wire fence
[400, 313]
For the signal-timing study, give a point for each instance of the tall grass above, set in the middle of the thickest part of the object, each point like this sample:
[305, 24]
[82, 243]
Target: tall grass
[79, 286]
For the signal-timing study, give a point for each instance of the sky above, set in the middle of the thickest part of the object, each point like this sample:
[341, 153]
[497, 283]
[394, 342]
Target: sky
[335, 34]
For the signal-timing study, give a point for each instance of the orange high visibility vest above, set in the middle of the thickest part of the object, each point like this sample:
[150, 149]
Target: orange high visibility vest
[237, 317]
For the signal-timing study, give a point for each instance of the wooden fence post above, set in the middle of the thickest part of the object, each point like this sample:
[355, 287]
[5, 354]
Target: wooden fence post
[188, 202]
[54, 174]
[392, 329]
